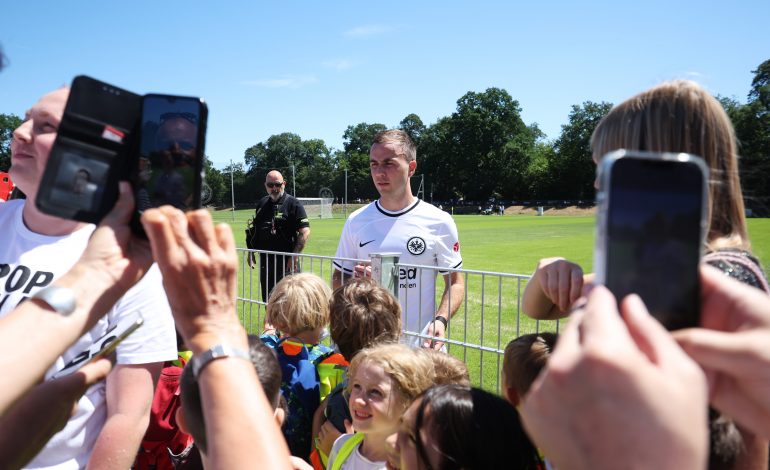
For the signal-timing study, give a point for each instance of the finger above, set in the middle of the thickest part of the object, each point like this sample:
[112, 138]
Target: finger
[576, 285]
[729, 353]
[565, 283]
[159, 233]
[747, 412]
[124, 206]
[602, 322]
[225, 239]
[96, 371]
[201, 230]
[648, 334]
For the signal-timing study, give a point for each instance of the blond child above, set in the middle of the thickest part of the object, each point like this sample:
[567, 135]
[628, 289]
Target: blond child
[383, 380]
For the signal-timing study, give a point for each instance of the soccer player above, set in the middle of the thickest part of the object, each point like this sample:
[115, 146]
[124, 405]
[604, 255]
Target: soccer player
[421, 233]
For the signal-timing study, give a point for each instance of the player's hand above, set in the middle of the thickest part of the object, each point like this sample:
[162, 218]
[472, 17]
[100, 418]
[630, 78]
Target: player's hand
[560, 280]
[199, 266]
[437, 330]
[362, 270]
[732, 347]
[606, 365]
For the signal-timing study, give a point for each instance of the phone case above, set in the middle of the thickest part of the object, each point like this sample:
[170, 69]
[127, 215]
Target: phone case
[91, 151]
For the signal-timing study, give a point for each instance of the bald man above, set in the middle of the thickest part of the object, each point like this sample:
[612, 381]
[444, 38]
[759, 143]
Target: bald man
[281, 225]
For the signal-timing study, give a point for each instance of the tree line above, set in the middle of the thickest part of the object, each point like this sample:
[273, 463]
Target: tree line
[483, 149]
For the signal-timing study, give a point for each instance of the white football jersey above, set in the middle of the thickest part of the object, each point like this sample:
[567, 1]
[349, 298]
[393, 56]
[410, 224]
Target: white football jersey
[422, 234]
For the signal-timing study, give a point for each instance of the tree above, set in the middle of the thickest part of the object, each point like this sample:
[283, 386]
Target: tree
[220, 188]
[573, 168]
[412, 125]
[358, 141]
[8, 122]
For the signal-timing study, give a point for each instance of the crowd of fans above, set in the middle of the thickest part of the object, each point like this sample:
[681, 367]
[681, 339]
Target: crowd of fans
[614, 389]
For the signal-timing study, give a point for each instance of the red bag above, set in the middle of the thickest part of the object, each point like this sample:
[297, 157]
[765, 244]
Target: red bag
[163, 436]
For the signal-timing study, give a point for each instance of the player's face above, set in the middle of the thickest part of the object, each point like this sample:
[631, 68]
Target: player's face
[390, 170]
[33, 139]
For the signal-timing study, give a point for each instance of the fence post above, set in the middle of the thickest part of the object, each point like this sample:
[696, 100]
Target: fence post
[385, 271]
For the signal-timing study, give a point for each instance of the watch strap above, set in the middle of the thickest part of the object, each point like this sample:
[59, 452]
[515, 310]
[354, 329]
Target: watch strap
[220, 351]
[441, 319]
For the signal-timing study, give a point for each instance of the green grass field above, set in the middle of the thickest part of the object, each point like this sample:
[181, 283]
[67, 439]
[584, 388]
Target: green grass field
[510, 244]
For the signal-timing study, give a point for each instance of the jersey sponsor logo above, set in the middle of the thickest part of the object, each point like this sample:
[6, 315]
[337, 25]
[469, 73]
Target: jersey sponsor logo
[407, 278]
[415, 246]
[361, 245]
[456, 247]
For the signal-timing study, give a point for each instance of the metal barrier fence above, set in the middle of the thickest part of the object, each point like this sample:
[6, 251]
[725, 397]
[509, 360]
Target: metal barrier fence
[488, 317]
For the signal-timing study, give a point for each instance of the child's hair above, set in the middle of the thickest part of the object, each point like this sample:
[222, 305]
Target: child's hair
[524, 358]
[363, 313]
[268, 370]
[298, 303]
[411, 373]
[448, 369]
[680, 116]
[472, 429]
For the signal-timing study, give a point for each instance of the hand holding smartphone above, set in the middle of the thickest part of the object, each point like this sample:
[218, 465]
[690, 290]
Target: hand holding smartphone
[650, 231]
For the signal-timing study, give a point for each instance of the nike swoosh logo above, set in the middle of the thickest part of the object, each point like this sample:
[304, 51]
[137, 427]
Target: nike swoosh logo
[364, 244]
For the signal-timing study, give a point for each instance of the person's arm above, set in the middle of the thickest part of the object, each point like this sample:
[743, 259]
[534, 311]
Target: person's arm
[28, 426]
[130, 389]
[35, 335]
[303, 235]
[199, 266]
[553, 288]
[454, 292]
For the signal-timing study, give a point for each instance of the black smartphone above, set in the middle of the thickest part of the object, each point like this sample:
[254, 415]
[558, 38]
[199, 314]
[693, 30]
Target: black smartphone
[102, 347]
[651, 224]
[169, 167]
[90, 153]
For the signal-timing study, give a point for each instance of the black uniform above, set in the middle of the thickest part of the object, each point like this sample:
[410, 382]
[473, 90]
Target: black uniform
[276, 224]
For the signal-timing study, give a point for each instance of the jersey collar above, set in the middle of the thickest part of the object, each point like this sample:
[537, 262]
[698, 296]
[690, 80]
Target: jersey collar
[396, 213]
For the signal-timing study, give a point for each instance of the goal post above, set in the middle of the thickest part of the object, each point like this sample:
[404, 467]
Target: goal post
[317, 207]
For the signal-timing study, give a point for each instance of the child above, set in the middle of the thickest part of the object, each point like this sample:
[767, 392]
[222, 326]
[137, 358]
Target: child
[299, 310]
[363, 314]
[448, 369]
[382, 381]
[190, 415]
[523, 360]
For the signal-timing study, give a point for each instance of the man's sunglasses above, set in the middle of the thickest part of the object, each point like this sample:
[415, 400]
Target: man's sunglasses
[274, 185]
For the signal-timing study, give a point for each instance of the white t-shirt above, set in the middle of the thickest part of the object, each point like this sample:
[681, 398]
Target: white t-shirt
[355, 460]
[29, 262]
[422, 234]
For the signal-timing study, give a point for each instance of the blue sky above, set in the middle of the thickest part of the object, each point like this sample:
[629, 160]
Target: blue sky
[314, 68]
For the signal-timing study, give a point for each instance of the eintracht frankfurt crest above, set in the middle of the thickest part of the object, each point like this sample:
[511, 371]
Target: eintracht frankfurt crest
[415, 246]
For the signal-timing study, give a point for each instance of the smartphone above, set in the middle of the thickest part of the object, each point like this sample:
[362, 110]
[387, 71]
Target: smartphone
[169, 167]
[102, 347]
[90, 153]
[650, 230]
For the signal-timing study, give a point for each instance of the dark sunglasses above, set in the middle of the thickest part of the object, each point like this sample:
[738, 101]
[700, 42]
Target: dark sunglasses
[193, 118]
[274, 185]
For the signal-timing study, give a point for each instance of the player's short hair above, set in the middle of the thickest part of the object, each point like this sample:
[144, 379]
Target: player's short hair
[411, 373]
[524, 358]
[299, 302]
[397, 136]
[363, 313]
[268, 370]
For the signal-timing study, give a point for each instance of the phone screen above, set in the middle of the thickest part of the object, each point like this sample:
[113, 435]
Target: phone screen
[171, 149]
[653, 236]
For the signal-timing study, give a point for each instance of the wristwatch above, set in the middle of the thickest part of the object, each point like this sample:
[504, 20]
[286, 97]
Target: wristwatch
[442, 320]
[220, 351]
[61, 299]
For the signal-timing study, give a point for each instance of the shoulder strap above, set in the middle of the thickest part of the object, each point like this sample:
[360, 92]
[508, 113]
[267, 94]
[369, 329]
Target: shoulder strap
[347, 448]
